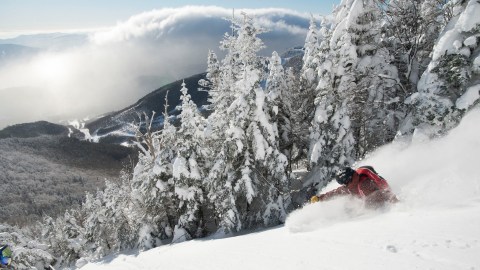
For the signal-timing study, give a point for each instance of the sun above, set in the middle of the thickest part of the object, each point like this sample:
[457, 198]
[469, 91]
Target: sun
[52, 68]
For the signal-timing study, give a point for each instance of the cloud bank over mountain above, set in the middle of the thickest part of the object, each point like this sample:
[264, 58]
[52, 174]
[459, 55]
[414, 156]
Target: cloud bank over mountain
[112, 68]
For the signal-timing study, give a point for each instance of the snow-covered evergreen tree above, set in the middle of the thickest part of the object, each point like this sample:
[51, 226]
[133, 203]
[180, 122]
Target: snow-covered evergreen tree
[304, 92]
[278, 105]
[249, 171]
[296, 148]
[108, 224]
[28, 252]
[375, 102]
[65, 236]
[332, 141]
[358, 104]
[219, 190]
[189, 169]
[411, 28]
[212, 80]
[449, 86]
[152, 187]
[221, 79]
[311, 57]
[96, 234]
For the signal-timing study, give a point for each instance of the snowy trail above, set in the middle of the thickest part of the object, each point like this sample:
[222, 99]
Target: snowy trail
[435, 226]
[395, 240]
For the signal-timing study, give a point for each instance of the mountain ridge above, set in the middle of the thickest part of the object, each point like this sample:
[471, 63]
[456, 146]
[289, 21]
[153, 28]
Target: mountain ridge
[118, 127]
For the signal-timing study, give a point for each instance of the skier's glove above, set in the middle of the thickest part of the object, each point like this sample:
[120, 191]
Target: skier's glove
[314, 199]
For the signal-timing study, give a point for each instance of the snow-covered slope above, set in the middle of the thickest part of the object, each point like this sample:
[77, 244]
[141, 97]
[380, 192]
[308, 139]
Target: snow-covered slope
[435, 226]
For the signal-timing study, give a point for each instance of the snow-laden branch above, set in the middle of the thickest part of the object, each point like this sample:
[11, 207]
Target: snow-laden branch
[397, 81]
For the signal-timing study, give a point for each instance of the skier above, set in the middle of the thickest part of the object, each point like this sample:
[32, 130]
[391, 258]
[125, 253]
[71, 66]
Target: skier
[364, 183]
[5, 256]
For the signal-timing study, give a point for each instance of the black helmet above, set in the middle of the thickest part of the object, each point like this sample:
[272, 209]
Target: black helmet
[344, 176]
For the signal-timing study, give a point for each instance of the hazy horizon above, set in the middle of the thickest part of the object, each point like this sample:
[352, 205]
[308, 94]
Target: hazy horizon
[79, 75]
[30, 16]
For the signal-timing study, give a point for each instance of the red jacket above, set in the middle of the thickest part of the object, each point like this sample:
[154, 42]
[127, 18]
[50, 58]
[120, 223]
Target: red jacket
[367, 185]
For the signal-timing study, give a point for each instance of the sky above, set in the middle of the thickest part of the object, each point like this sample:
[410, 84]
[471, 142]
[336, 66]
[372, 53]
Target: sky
[60, 72]
[59, 15]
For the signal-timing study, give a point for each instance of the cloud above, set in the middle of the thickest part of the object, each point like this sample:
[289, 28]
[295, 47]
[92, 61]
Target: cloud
[198, 20]
[206, 23]
[112, 68]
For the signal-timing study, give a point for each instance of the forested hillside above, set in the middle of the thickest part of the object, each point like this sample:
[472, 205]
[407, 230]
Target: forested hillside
[45, 172]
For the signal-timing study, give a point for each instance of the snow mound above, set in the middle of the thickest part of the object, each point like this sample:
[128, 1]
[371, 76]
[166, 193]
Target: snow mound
[469, 97]
[437, 174]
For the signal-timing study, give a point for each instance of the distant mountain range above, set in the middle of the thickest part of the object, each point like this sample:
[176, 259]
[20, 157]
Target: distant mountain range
[30, 45]
[13, 51]
[52, 41]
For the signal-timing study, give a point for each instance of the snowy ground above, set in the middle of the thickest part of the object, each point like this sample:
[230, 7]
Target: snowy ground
[435, 226]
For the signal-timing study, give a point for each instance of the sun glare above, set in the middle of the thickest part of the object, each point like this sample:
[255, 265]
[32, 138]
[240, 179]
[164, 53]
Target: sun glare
[52, 69]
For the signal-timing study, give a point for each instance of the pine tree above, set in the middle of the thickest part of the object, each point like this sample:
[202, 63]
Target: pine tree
[220, 80]
[358, 104]
[294, 140]
[96, 235]
[108, 224]
[411, 28]
[66, 237]
[216, 91]
[446, 87]
[152, 185]
[189, 168]
[278, 106]
[376, 100]
[332, 141]
[212, 80]
[221, 192]
[30, 251]
[310, 57]
[303, 106]
[249, 169]
[332, 138]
